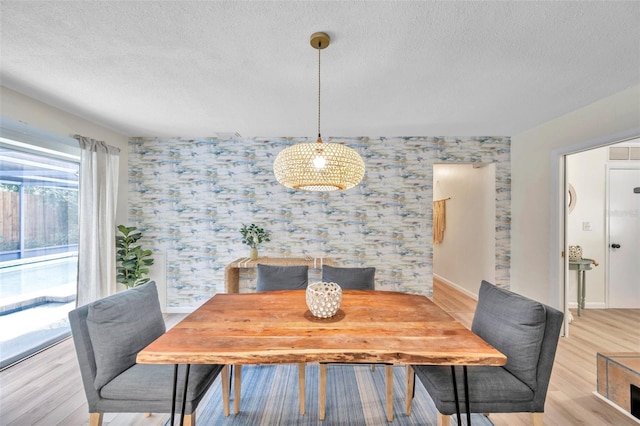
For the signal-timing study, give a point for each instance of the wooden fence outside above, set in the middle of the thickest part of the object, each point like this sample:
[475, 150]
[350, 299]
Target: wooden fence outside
[47, 222]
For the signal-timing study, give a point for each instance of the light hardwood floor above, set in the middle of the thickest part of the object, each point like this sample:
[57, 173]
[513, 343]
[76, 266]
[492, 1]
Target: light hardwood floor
[46, 389]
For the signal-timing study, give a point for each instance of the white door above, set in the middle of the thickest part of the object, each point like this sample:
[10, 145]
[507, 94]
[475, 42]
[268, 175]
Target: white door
[624, 238]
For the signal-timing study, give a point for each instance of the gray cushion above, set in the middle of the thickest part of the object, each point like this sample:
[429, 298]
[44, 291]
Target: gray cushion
[514, 325]
[120, 326]
[282, 277]
[350, 278]
[488, 386]
[152, 382]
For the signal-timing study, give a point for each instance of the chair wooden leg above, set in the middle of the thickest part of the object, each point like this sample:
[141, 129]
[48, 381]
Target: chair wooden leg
[409, 390]
[537, 419]
[301, 385]
[237, 383]
[190, 419]
[322, 396]
[224, 381]
[389, 374]
[95, 419]
[443, 419]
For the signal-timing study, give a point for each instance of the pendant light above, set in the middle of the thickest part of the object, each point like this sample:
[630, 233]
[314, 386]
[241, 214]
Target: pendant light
[319, 166]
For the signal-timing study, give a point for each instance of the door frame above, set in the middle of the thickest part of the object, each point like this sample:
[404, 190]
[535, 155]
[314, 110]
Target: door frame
[558, 263]
[612, 165]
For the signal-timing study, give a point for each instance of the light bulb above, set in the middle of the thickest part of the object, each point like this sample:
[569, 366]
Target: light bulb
[319, 162]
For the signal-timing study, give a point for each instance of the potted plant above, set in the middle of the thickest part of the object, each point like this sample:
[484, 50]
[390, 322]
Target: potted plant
[253, 235]
[132, 262]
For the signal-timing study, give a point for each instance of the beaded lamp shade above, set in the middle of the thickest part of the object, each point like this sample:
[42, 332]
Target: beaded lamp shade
[319, 166]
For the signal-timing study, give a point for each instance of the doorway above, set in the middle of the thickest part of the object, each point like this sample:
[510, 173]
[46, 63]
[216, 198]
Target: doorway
[623, 243]
[587, 224]
[469, 238]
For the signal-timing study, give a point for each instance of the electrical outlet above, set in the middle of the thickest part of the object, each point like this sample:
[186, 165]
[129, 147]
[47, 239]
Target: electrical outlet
[586, 226]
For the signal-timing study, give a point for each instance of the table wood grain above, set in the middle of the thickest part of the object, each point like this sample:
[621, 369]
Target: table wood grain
[277, 327]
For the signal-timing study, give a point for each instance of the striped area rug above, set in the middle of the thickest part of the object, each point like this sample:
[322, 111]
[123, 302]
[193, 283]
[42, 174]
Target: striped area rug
[355, 396]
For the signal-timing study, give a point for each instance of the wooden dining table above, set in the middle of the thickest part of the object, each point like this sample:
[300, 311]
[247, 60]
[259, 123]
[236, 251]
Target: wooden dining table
[276, 327]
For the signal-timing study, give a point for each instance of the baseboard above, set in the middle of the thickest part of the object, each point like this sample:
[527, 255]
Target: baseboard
[588, 305]
[181, 310]
[456, 287]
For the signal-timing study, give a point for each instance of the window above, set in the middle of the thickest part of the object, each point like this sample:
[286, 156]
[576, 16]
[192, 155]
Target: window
[38, 248]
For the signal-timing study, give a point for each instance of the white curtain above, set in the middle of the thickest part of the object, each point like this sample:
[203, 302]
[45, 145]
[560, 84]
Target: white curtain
[98, 188]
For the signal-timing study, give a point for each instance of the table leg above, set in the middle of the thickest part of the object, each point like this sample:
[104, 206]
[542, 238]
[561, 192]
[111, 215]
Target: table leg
[455, 393]
[173, 395]
[301, 385]
[466, 394]
[389, 377]
[580, 278]
[237, 383]
[323, 390]
[584, 288]
[184, 394]
[411, 389]
[225, 382]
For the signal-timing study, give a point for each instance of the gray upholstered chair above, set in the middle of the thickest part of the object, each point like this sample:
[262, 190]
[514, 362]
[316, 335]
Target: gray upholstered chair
[527, 332]
[273, 278]
[348, 279]
[107, 335]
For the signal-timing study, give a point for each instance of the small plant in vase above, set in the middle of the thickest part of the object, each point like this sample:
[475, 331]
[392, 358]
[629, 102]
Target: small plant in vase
[253, 235]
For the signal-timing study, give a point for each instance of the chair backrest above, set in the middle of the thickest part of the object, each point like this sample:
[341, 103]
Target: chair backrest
[271, 277]
[525, 330]
[109, 332]
[350, 278]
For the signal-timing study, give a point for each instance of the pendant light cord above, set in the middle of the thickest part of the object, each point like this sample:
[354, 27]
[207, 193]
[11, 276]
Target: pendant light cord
[319, 137]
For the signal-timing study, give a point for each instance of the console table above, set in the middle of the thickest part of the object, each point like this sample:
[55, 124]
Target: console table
[581, 266]
[232, 270]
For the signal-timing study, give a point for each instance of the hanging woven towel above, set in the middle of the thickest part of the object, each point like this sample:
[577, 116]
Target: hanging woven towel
[439, 220]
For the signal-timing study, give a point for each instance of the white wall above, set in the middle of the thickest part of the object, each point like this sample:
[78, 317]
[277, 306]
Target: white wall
[466, 255]
[536, 272]
[35, 113]
[586, 171]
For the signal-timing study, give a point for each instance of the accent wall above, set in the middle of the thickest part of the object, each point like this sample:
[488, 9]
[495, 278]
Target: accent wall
[191, 196]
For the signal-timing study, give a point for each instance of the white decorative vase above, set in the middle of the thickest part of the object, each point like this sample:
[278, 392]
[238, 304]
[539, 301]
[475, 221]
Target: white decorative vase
[323, 299]
[575, 253]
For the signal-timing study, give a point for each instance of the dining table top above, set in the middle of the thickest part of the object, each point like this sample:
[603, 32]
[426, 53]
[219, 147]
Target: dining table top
[277, 327]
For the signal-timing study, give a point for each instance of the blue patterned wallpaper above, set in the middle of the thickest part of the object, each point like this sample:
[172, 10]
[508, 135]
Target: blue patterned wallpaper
[190, 197]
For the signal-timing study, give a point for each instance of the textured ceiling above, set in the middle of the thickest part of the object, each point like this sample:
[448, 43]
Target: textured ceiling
[394, 68]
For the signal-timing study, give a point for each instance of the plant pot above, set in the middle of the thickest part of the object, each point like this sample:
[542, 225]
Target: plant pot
[253, 253]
